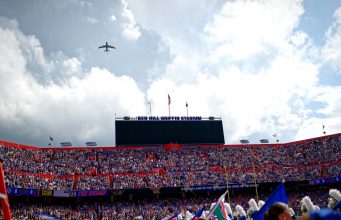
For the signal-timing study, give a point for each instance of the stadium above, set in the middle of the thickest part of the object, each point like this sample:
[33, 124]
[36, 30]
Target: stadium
[173, 176]
[170, 110]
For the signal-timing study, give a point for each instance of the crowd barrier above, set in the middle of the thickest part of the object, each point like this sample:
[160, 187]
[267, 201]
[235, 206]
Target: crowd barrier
[31, 192]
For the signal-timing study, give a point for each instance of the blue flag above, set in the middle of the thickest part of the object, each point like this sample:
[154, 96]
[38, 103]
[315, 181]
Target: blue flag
[278, 195]
[174, 217]
[198, 214]
[46, 216]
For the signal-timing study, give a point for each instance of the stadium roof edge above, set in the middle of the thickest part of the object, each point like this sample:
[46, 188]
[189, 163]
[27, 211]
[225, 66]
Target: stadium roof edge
[23, 146]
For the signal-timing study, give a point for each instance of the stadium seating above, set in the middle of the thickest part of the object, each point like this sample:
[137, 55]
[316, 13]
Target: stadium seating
[140, 167]
[155, 167]
[153, 208]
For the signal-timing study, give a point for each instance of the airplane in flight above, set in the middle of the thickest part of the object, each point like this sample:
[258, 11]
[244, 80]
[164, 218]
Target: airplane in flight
[106, 46]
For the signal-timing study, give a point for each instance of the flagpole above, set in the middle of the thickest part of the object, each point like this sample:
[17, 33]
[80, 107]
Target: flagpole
[227, 184]
[254, 178]
[169, 102]
[150, 108]
[275, 135]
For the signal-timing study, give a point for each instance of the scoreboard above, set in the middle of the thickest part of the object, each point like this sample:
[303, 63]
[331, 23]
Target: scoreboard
[165, 130]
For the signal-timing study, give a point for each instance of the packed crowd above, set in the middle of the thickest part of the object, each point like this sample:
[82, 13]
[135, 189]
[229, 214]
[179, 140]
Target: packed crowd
[153, 209]
[160, 167]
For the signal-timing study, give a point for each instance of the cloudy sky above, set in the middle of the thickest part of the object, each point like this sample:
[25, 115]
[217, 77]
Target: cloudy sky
[264, 66]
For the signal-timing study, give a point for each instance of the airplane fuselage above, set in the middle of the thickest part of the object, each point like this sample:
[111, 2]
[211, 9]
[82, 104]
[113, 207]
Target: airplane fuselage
[106, 46]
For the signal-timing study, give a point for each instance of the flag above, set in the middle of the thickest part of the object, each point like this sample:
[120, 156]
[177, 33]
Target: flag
[92, 172]
[169, 100]
[278, 195]
[198, 214]
[51, 138]
[45, 216]
[38, 159]
[174, 217]
[91, 158]
[186, 104]
[218, 211]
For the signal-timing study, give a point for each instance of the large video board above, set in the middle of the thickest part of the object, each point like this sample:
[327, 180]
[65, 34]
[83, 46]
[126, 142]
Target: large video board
[150, 132]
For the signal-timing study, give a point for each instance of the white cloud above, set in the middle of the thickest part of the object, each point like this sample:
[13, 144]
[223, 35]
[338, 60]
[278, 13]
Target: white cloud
[113, 18]
[244, 28]
[29, 47]
[331, 51]
[130, 29]
[72, 66]
[84, 3]
[331, 112]
[246, 61]
[91, 102]
[298, 39]
[245, 101]
[92, 20]
[179, 23]
[251, 100]
[79, 109]
[182, 70]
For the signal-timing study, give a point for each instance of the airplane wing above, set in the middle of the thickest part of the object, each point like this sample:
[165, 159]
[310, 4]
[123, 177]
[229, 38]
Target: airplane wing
[109, 46]
[103, 46]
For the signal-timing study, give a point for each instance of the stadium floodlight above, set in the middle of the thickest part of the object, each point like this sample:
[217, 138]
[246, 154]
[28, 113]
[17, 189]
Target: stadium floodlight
[65, 144]
[244, 141]
[264, 141]
[91, 144]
